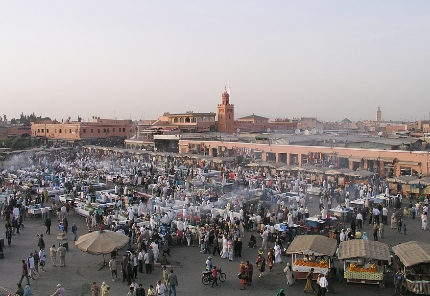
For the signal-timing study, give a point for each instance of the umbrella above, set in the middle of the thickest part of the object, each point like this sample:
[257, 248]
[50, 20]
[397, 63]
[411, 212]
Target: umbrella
[101, 242]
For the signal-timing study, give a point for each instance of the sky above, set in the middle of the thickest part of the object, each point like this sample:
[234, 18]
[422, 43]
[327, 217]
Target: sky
[281, 59]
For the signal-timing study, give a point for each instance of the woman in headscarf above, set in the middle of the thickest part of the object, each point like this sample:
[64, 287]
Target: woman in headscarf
[288, 271]
[224, 253]
[309, 287]
[242, 275]
[230, 246]
[277, 249]
[393, 221]
[261, 263]
[270, 260]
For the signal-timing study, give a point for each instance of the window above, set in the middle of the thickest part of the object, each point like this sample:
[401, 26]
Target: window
[123, 129]
[42, 130]
[38, 130]
[47, 130]
[98, 131]
[84, 130]
[113, 129]
[91, 130]
[70, 130]
[59, 130]
[104, 130]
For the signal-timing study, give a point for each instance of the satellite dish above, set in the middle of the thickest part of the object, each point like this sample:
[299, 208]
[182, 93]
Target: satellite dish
[307, 132]
[268, 129]
[297, 132]
[380, 134]
[320, 131]
[313, 131]
[238, 130]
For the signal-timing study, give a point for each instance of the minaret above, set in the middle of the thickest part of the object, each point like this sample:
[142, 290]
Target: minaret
[225, 114]
[378, 114]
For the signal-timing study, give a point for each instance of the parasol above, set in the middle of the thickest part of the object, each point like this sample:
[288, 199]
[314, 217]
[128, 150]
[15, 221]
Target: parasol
[101, 242]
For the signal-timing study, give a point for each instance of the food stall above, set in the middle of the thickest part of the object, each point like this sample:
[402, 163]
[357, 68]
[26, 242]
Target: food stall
[311, 251]
[361, 258]
[414, 260]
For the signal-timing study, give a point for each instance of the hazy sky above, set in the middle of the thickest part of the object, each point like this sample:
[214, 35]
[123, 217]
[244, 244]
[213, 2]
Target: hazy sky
[138, 59]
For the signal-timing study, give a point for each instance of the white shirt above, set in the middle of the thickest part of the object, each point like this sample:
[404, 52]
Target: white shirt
[323, 282]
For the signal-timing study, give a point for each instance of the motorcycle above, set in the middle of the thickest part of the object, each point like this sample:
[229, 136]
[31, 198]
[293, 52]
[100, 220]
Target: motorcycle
[207, 276]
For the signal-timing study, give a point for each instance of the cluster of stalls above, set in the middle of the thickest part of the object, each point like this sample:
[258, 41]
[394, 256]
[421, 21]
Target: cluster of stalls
[362, 261]
[410, 185]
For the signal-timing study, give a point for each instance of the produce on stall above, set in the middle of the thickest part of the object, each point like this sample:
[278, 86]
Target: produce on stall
[414, 259]
[309, 247]
[361, 261]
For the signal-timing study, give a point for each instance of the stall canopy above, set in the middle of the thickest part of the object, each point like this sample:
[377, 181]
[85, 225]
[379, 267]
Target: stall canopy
[402, 179]
[363, 248]
[423, 181]
[412, 253]
[313, 244]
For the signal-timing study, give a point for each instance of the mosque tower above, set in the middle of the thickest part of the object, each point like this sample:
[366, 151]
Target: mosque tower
[226, 114]
[378, 114]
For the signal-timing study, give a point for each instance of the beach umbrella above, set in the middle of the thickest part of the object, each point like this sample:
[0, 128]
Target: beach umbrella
[101, 242]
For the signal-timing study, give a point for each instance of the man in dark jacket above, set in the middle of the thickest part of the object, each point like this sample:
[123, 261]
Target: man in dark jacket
[48, 225]
[124, 262]
[129, 270]
[41, 243]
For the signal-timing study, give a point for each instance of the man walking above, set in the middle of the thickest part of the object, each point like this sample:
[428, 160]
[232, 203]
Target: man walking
[62, 253]
[48, 225]
[398, 282]
[74, 231]
[173, 282]
[24, 273]
[53, 254]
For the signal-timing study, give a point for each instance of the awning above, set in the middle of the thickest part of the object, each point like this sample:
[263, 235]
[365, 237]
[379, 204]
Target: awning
[423, 181]
[411, 163]
[411, 253]
[313, 244]
[363, 248]
[355, 158]
[402, 179]
[381, 159]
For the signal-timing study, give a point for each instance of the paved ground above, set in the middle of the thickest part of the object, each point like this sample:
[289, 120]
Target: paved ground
[82, 268]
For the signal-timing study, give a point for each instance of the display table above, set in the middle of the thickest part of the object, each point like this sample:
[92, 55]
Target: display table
[364, 277]
[300, 272]
[416, 286]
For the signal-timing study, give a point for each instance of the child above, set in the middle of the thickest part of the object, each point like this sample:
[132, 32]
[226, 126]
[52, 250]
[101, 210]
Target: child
[404, 228]
[214, 276]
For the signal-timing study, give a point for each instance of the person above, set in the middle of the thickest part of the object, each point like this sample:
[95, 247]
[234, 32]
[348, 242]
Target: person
[261, 263]
[53, 255]
[375, 231]
[42, 258]
[423, 222]
[24, 273]
[381, 230]
[249, 271]
[160, 289]
[140, 291]
[289, 274]
[238, 247]
[65, 224]
[393, 221]
[27, 291]
[398, 282]
[309, 286]
[95, 290]
[48, 224]
[270, 260]
[62, 253]
[113, 270]
[165, 276]
[60, 291]
[280, 292]
[404, 228]
[20, 290]
[75, 232]
[209, 264]
[323, 284]
[173, 282]
[151, 291]
[131, 292]
[129, 272]
[399, 225]
[214, 274]
[104, 289]
[242, 275]
[41, 242]
[9, 235]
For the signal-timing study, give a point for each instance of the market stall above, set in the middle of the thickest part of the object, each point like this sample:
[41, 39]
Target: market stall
[311, 251]
[414, 259]
[362, 261]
